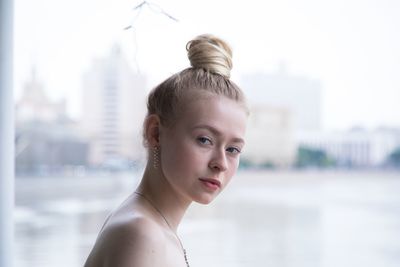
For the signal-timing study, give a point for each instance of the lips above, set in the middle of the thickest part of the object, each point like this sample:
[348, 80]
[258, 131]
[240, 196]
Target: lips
[211, 183]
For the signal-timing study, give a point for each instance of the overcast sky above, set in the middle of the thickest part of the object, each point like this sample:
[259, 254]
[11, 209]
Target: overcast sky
[350, 46]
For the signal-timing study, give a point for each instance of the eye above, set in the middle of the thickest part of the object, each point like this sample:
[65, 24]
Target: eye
[204, 140]
[233, 150]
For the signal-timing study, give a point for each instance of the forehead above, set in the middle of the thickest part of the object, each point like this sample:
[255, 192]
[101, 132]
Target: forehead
[225, 115]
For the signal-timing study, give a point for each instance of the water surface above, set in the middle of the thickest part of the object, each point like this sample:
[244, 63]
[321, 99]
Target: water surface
[279, 219]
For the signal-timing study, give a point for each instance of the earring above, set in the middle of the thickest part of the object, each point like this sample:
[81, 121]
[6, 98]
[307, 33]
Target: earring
[155, 157]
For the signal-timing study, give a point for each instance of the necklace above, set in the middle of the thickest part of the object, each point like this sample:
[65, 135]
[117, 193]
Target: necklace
[165, 219]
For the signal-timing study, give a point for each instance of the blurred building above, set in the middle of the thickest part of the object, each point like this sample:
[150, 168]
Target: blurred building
[301, 96]
[46, 139]
[46, 147]
[270, 137]
[34, 105]
[355, 148]
[113, 110]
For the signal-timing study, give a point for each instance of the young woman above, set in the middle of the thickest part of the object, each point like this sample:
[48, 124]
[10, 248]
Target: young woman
[194, 132]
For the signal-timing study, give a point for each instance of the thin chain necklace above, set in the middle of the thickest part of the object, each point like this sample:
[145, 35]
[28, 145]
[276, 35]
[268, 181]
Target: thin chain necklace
[165, 219]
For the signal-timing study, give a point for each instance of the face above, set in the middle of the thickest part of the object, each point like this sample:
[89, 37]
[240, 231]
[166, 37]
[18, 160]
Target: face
[200, 153]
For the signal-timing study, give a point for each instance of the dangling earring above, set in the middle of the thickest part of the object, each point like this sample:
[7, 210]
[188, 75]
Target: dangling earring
[155, 157]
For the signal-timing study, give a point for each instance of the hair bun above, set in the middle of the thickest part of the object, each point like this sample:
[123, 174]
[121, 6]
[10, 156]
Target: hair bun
[210, 53]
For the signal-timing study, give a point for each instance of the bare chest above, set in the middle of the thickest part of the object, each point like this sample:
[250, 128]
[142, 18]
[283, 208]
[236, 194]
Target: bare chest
[175, 256]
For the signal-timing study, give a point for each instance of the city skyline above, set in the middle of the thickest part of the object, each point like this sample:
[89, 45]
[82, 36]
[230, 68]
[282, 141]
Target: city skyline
[108, 134]
[350, 47]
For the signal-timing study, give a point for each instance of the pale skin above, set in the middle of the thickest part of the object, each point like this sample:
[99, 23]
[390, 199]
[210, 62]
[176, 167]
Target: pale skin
[204, 143]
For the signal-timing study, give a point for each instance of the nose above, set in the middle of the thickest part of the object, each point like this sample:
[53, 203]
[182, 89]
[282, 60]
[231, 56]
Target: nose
[218, 161]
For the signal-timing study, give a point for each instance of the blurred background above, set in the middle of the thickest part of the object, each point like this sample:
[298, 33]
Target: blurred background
[319, 179]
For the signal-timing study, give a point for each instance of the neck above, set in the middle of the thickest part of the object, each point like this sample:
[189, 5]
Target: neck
[158, 191]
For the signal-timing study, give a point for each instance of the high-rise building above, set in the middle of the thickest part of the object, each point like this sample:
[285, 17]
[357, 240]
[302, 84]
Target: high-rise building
[301, 96]
[270, 137]
[113, 109]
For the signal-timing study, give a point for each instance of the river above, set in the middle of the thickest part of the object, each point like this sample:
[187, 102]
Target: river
[263, 218]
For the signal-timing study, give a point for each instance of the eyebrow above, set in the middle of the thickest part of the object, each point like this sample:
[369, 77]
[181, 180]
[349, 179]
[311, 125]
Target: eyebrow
[216, 132]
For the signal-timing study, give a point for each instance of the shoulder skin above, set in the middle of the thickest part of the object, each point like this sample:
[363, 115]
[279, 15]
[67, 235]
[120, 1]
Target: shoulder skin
[137, 242]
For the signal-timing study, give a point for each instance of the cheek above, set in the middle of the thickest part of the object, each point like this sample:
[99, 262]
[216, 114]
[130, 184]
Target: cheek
[235, 164]
[232, 170]
[180, 158]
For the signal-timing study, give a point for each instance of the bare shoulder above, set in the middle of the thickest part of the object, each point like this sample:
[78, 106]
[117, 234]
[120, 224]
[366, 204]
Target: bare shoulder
[129, 241]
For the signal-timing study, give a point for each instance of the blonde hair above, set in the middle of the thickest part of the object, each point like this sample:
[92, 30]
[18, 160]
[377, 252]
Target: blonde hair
[211, 61]
[210, 53]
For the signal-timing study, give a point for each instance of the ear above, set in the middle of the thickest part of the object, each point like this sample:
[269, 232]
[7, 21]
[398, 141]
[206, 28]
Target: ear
[152, 130]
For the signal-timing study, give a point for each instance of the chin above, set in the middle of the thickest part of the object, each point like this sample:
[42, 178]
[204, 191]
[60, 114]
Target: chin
[205, 200]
